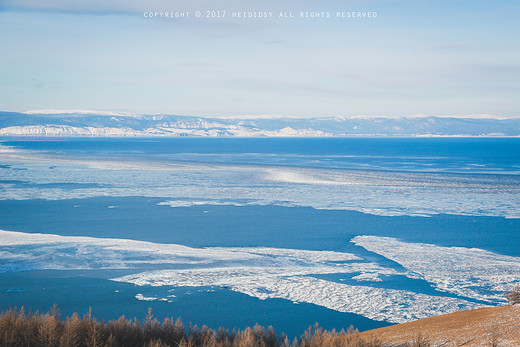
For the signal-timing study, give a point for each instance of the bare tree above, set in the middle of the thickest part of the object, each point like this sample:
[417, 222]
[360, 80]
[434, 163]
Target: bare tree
[494, 337]
[513, 296]
[49, 330]
[19, 329]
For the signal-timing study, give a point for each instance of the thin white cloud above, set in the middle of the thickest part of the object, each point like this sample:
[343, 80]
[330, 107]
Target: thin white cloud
[450, 45]
[79, 111]
[135, 6]
[268, 116]
[91, 7]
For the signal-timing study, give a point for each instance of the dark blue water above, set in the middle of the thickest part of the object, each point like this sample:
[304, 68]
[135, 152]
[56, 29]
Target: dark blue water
[140, 218]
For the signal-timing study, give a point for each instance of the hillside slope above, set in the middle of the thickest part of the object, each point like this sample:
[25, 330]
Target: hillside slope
[463, 328]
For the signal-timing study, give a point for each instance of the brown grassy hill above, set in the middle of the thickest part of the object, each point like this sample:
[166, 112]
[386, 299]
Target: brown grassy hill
[482, 327]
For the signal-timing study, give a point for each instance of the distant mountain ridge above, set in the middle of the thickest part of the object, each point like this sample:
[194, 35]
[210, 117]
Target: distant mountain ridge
[89, 123]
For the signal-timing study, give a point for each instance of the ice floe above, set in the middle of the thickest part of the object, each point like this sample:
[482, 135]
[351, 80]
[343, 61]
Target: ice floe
[141, 297]
[297, 254]
[469, 272]
[291, 274]
[295, 285]
[47, 251]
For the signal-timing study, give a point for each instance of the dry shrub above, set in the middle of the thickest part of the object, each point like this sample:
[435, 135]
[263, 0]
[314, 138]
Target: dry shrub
[419, 341]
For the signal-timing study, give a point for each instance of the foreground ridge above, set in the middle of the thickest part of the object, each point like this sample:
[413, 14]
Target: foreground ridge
[489, 326]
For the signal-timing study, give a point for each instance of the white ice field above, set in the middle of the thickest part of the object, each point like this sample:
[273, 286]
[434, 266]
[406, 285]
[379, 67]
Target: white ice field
[471, 274]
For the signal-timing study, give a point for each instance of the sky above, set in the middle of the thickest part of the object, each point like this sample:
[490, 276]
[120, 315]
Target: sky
[437, 57]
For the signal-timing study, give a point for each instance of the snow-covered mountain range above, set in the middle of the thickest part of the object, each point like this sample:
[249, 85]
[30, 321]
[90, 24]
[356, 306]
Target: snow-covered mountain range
[92, 123]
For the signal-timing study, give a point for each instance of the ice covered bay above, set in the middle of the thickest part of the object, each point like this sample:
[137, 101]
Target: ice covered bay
[30, 174]
[290, 274]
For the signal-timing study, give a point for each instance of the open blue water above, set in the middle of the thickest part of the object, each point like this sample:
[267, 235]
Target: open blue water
[472, 155]
[308, 194]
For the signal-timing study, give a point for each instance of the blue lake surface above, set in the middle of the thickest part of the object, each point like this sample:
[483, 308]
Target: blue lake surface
[307, 194]
[472, 155]
[140, 218]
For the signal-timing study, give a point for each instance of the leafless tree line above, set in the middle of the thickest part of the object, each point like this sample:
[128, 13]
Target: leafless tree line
[19, 328]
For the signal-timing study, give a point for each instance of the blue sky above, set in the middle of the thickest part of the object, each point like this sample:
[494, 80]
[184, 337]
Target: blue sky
[416, 57]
